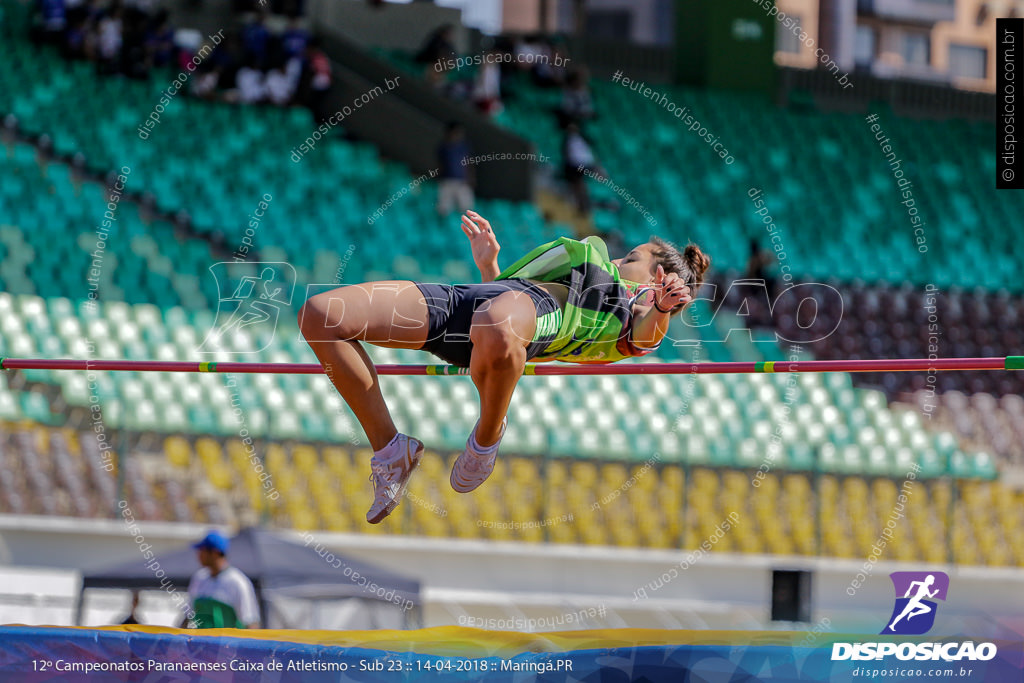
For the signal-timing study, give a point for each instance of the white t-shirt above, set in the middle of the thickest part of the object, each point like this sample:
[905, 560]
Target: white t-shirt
[231, 587]
[488, 82]
[279, 87]
[578, 151]
[110, 37]
[250, 84]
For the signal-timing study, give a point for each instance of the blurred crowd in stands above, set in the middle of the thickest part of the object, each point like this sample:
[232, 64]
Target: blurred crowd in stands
[542, 61]
[251, 64]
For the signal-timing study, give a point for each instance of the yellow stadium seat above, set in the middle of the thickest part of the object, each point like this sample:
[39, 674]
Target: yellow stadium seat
[584, 473]
[432, 464]
[208, 448]
[305, 458]
[221, 476]
[276, 457]
[178, 452]
[562, 533]
[614, 474]
[336, 522]
[593, 536]
[557, 473]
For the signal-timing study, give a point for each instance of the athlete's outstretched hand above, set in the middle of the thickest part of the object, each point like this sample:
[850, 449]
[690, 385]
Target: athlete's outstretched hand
[483, 243]
[669, 290]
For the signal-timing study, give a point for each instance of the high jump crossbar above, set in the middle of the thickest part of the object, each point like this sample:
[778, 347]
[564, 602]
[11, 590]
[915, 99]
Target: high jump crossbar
[731, 368]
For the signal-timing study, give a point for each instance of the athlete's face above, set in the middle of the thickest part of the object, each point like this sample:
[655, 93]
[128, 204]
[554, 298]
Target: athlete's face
[638, 265]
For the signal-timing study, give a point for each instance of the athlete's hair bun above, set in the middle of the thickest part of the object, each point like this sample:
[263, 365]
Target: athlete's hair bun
[697, 261]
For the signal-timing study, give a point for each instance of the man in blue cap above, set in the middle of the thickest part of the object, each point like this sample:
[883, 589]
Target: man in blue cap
[222, 596]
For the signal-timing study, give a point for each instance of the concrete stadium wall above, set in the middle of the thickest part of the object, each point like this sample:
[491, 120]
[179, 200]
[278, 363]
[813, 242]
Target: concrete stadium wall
[468, 582]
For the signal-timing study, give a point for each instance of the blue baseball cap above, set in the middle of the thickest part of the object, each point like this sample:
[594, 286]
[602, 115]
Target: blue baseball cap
[214, 541]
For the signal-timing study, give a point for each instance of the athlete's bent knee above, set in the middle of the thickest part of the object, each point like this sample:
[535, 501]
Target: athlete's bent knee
[501, 323]
[310, 318]
[495, 344]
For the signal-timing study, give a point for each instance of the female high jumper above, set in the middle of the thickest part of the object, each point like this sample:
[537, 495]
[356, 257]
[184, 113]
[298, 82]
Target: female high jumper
[565, 300]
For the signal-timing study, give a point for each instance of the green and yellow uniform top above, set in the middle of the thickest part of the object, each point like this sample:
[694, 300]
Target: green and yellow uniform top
[594, 326]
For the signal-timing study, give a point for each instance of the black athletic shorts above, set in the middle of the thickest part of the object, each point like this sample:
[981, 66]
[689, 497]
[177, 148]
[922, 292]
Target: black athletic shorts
[450, 315]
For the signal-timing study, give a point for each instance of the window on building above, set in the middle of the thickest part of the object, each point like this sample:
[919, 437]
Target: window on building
[785, 39]
[967, 61]
[864, 46]
[917, 49]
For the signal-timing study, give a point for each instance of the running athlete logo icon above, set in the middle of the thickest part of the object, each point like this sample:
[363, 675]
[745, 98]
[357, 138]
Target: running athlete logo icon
[249, 294]
[914, 613]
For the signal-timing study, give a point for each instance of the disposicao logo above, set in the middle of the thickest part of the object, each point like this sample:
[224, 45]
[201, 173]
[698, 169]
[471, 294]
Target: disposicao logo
[913, 614]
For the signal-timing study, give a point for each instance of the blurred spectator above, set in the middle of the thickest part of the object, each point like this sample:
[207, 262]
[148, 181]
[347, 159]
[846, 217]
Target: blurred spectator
[221, 596]
[555, 71]
[527, 51]
[280, 86]
[437, 79]
[256, 42]
[132, 617]
[130, 37]
[53, 21]
[578, 159]
[95, 10]
[440, 45]
[225, 60]
[294, 40]
[75, 38]
[250, 87]
[316, 81]
[577, 105]
[204, 84]
[535, 54]
[455, 176]
[134, 53]
[160, 40]
[108, 42]
[89, 12]
[757, 263]
[487, 86]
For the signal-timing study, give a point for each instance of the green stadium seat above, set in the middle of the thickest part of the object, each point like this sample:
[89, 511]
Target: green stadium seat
[35, 407]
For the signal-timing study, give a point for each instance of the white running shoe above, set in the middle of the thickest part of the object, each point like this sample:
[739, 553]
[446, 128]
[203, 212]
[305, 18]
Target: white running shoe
[390, 478]
[472, 469]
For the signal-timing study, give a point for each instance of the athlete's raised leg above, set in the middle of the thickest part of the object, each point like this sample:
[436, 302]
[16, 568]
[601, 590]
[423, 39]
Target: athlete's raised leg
[390, 313]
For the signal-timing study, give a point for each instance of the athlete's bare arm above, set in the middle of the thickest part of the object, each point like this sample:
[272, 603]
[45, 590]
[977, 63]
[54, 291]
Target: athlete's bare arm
[483, 243]
[651, 325]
